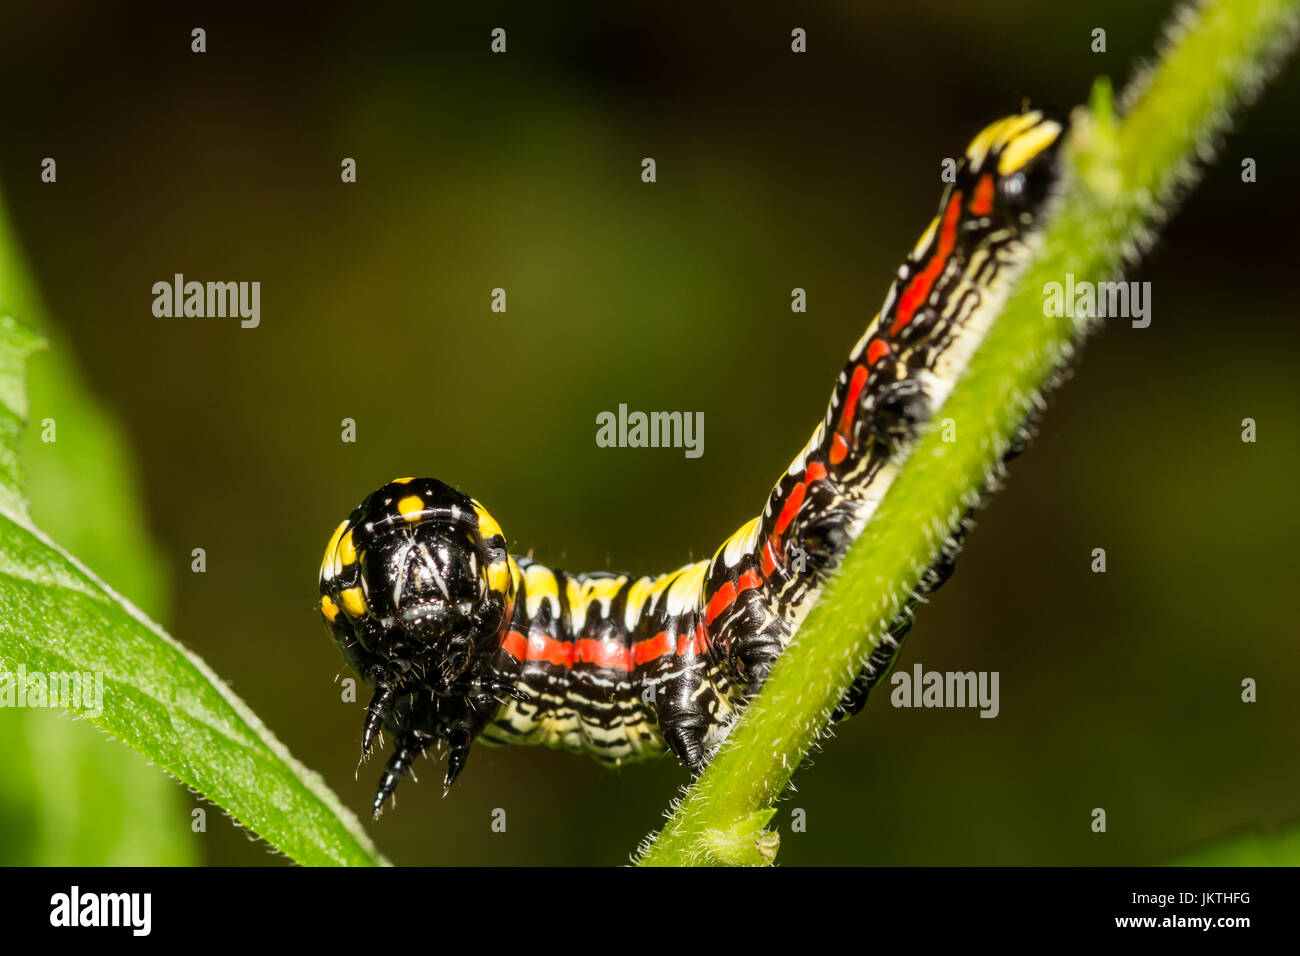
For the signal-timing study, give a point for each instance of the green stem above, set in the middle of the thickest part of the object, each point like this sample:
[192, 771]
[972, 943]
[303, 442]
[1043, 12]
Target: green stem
[1126, 173]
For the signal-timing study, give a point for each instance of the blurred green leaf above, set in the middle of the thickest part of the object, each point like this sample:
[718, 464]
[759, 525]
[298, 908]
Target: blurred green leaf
[16, 344]
[1279, 847]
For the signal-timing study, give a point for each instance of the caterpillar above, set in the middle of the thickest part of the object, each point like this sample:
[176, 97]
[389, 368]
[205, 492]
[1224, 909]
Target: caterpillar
[463, 641]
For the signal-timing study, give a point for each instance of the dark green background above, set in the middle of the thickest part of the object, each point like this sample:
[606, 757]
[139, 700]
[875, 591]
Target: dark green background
[775, 170]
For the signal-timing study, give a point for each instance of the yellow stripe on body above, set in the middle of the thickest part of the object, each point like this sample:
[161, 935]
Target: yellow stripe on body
[687, 590]
[741, 543]
[541, 585]
[918, 250]
[636, 599]
[600, 591]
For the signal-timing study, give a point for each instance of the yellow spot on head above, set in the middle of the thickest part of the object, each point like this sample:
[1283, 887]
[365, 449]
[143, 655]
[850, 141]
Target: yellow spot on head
[327, 563]
[498, 577]
[329, 608]
[1026, 146]
[487, 524]
[347, 553]
[401, 481]
[411, 507]
[354, 601]
[996, 135]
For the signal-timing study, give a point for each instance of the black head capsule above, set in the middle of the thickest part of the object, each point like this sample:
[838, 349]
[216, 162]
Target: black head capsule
[417, 588]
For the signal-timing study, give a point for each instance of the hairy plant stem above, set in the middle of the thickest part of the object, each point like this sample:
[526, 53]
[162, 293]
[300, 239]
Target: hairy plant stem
[1123, 176]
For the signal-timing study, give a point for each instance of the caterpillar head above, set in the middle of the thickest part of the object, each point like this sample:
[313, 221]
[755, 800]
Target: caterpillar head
[416, 587]
[1011, 166]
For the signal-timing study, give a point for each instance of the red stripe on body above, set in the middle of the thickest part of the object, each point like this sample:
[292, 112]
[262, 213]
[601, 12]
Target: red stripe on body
[515, 644]
[609, 654]
[693, 644]
[719, 602]
[923, 281]
[792, 505]
[839, 449]
[651, 648]
[542, 647]
[727, 594]
[588, 650]
[982, 204]
[876, 351]
[856, 384]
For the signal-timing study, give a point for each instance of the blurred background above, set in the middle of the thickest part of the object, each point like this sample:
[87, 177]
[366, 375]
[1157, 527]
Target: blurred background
[522, 171]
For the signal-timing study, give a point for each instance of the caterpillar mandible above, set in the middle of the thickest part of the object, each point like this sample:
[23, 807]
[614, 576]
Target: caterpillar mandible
[463, 641]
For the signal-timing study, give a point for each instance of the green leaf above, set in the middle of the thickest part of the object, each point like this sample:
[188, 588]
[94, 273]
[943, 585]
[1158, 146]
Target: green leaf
[68, 796]
[158, 697]
[1127, 171]
[17, 342]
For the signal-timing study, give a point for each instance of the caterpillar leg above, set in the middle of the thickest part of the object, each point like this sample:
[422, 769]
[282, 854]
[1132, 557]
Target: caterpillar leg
[874, 671]
[883, 657]
[458, 741]
[417, 725]
[899, 410]
[686, 704]
[684, 735]
[754, 637]
[410, 745]
[463, 725]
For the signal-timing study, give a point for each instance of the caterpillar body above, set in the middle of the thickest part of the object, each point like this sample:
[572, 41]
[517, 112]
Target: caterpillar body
[463, 641]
